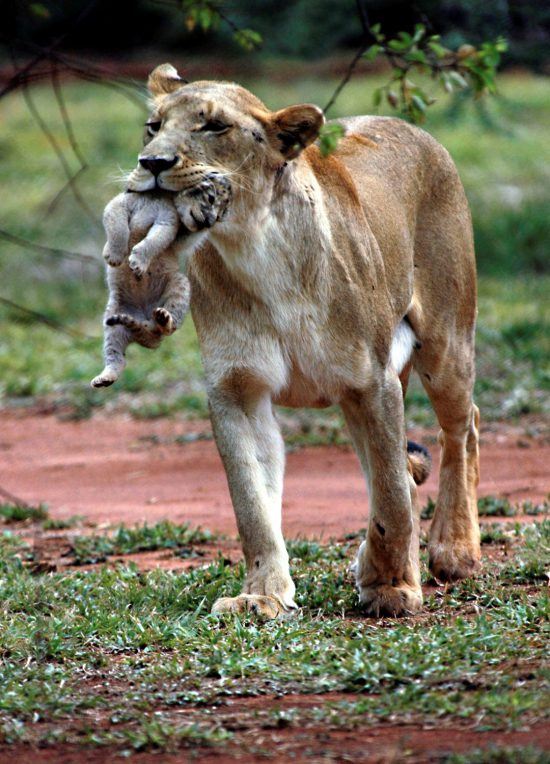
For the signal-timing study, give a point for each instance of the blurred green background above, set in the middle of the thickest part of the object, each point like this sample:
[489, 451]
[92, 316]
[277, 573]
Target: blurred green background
[501, 147]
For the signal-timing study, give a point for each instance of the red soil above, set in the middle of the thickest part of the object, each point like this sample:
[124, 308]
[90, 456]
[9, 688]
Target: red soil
[115, 469]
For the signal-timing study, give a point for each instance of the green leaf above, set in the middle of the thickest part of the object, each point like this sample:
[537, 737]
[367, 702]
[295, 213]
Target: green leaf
[248, 39]
[371, 53]
[501, 44]
[40, 10]
[377, 97]
[329, 137]
[419, 32]
[457, 79]
[438, 49]
[398, 46]
[419, 103]
[375, 31]
[416, 56]
[446, 82]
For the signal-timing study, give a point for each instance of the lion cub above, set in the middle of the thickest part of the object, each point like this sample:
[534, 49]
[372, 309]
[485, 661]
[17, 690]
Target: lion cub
[148, 296]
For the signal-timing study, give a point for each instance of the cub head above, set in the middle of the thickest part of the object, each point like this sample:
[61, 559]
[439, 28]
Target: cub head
[203, 127]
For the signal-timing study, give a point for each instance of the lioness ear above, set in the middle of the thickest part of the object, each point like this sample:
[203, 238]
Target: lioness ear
[295, 127]
[163, 80]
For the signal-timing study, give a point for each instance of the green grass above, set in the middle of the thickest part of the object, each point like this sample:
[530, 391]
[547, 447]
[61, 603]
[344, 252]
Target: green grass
[139, 649]
[501, 755]
[496, 506]
[144, 538]
[499, 154]
[20, 513]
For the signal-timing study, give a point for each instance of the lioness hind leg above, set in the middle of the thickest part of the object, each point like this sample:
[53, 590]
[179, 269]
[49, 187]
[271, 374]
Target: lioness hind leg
[454, 545]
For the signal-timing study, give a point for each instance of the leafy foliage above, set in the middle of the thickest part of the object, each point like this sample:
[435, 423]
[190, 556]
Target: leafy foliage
[423, 53]
[208, 15]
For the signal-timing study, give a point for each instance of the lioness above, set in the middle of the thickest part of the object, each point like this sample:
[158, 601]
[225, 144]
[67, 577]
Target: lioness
[326, 282]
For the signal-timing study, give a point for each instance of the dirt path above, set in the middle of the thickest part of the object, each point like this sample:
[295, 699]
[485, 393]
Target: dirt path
[121, 470]
[315, 744]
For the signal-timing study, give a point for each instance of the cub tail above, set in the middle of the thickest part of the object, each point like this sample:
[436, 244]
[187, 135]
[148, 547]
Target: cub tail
[419, 462]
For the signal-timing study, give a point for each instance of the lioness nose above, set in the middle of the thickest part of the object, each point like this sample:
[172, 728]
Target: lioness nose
[157, 165]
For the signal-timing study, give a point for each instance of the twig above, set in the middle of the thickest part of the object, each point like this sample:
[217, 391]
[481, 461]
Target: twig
[59, 152]
[20, 74]
[15, 500]
[364, 16]
[67, 185]
[17, 240]
[346, 78]
[66, 119]
[368, 35]
[52, 323]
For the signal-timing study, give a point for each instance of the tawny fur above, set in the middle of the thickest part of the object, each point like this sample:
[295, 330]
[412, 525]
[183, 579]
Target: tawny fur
[297, 296]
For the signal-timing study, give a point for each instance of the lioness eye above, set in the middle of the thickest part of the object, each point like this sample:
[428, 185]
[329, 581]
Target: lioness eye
[215, 126]
[152, 127]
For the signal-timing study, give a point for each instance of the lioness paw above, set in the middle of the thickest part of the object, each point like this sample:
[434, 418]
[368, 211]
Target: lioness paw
[253, 604]
[385, 600]
[453, 561]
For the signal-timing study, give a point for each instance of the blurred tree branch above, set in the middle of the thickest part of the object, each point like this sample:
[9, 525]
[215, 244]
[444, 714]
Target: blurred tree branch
[468, 68]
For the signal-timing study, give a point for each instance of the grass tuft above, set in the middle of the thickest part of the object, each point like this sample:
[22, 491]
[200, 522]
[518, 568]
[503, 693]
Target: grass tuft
[88, 550]
[18, 513]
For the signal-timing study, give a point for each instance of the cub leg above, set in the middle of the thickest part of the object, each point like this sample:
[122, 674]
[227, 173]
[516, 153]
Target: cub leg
[170, 315]
[252, 450]
[117, 338]
[387, 569]
[161, 234]
[116, 223]
[133, 324]
[454, 544]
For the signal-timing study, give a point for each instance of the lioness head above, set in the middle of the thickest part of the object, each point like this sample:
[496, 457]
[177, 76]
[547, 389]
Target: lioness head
[203, 127]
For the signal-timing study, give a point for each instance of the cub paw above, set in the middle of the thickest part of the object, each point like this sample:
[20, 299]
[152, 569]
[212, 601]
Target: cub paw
[202, 206]
[137, 266]
[164, 319]
[113, 258]
[106, 378]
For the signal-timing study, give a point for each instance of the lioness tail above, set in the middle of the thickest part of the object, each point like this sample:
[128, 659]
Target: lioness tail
[420, 462]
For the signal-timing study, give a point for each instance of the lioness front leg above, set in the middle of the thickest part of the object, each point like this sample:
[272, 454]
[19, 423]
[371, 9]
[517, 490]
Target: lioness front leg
[387, 569]
[252, 451]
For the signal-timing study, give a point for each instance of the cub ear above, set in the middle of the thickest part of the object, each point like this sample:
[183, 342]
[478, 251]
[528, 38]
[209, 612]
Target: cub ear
[294, 128]
[163, 80]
